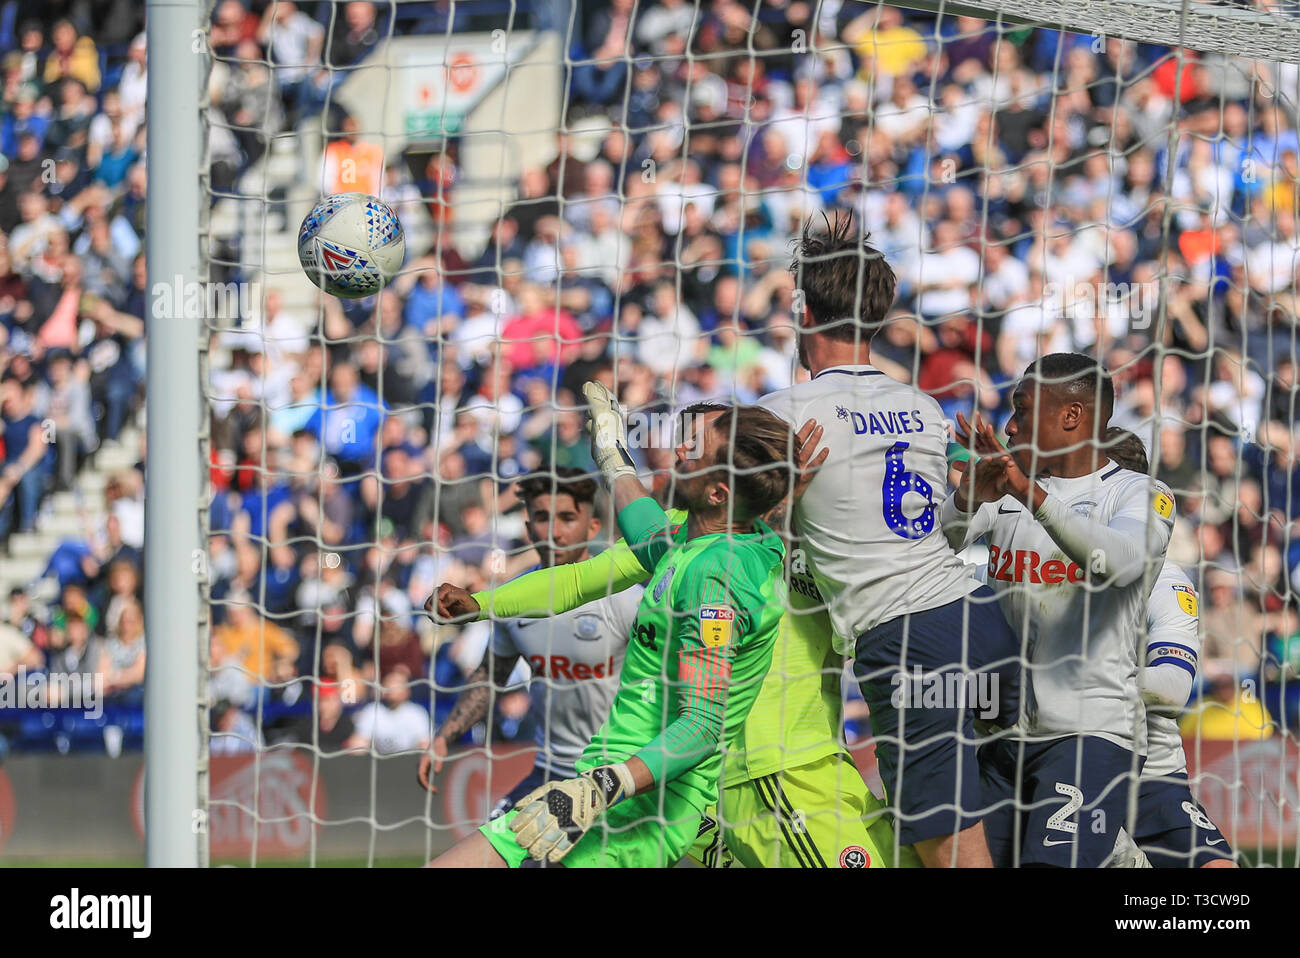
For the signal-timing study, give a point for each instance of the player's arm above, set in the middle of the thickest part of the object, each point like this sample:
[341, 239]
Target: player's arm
[547, 592]
[647, 530]
[556, 816]
[642, 521]
[1120, 549]
[1173, 647]
[1166, 685]
[708, 651]
[968, 512]
[1117, 550]
[704, 676]
[961, 528]
[472, 705]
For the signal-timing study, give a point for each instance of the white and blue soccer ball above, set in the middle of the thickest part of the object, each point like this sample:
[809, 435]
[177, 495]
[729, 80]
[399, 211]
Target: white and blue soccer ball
[351, 245]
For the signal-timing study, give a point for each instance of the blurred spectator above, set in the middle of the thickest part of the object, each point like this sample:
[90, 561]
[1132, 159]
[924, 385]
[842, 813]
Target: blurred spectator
[261, 648]
[124, 589]
[293, 43]
[25, 451]
[17, 651]
[540, 334]
[333, 730]
[398, 648]
[394, 723]
[69, 410]
[228, 680]
[20, 614]
[347, 424]
[73, 56]
[132, 87]
[122, 657]
[73, 650]
[886, 46]
[352, 165]
[233, 732]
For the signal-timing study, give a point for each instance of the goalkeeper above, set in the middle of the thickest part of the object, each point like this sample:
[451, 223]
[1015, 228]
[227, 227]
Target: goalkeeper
[701, 646]
[791, 795]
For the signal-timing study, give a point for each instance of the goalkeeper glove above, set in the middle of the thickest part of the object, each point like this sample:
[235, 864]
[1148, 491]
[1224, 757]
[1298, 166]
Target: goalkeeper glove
[608, 433]
[554, 817]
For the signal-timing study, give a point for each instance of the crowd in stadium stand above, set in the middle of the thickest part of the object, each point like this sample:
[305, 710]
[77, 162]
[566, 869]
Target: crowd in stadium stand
[1016, 182]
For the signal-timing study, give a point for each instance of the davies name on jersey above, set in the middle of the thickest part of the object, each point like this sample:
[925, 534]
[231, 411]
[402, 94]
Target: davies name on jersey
[894, 421]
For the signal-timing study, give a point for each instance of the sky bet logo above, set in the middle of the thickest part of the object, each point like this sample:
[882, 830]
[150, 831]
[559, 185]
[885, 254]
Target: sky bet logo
[883, 422]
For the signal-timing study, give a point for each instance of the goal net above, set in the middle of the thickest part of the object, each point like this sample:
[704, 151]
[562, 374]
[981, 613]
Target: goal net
[610, 191]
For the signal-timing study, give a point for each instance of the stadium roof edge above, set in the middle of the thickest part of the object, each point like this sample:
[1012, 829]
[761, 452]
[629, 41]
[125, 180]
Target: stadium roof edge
[1200, 26]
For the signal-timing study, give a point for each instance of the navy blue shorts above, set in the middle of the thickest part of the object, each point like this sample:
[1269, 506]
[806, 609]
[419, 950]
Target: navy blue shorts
[1060, 803]
[534, 779]
[924, 703]
[1173, 828]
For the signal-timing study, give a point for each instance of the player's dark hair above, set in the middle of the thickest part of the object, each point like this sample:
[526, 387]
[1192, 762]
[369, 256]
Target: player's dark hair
[1126, 449]
[756, 452]
[562, 480]
[700, 408]
[845, 282]
[1076, 376]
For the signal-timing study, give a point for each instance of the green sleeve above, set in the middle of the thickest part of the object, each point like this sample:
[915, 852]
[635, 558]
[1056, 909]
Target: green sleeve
[703, 669]
[704, 675]
[647, 529]
[546, 592]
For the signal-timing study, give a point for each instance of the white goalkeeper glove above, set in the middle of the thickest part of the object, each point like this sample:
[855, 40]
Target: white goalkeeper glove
[553, 818]
[608, 433]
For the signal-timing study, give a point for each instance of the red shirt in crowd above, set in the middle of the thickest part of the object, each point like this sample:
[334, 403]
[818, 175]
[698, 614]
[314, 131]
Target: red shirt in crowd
[540, 338]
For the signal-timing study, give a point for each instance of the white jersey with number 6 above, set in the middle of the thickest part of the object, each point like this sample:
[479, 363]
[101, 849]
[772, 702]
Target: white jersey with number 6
[868, 521]
[1173, 646]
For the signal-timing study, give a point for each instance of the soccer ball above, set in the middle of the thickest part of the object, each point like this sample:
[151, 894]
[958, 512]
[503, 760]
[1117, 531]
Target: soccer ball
[351, 245]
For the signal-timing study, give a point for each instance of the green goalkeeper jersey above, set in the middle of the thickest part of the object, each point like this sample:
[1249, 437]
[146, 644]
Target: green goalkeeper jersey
[796, 717]
[700, 648]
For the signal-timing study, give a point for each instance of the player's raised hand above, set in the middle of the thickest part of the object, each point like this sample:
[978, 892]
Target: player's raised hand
[608, 433]
[807, 458]
[1012, 480]
[978, 437]
[431, 764]
[451, 603]
[997, 471]
[982, 480]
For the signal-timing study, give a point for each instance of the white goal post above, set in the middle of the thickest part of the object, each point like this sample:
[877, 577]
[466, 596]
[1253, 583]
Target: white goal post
[175, 510]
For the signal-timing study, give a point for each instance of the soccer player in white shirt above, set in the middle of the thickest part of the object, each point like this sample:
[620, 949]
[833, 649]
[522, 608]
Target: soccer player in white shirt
[575, 657]
[1173, 829]
[1069, 551]
[899, 599]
